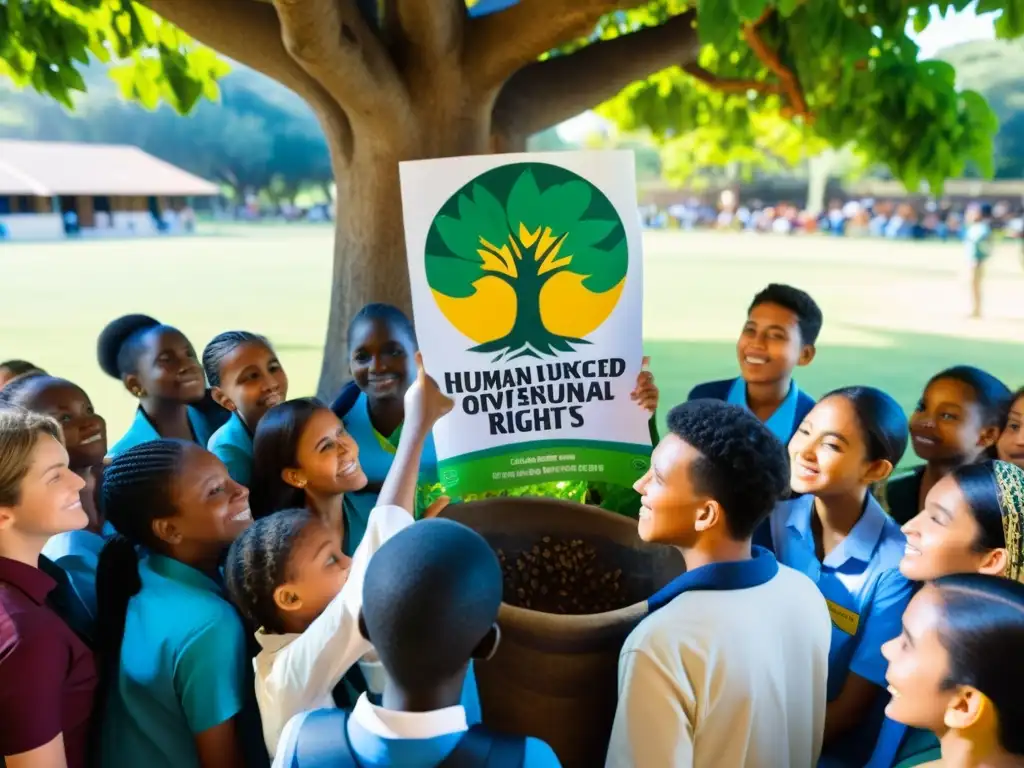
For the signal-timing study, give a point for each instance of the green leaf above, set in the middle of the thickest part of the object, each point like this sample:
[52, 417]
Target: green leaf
[604, 268]
[460, 237]
[749, 10]
[717, 24]
[484, 216]
[590, 232]
[565, 204]
[452, 277]
[524, 204]
[786, 8]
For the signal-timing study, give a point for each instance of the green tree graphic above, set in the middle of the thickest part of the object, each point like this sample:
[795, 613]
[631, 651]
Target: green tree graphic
[525, 223]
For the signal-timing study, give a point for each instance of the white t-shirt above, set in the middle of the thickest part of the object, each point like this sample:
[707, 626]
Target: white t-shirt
[726, 678]
[296, 673]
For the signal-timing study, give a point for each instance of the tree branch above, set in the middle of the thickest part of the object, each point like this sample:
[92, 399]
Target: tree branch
[331, 41]
[250, 33]
[790, 85]
[433, 28]
[548, 92]
[730, 86]
[500, 44]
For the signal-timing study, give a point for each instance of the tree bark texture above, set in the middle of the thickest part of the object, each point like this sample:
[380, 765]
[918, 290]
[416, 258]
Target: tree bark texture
[423, 80]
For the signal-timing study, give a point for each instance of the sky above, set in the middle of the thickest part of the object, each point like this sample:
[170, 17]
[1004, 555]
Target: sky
[941, 33]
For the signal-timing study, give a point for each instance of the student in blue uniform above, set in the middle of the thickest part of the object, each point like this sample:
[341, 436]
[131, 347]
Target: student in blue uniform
[85, 436]
[171, 646]
[837, 534]
[782, 328]
[972, 522]
[158, 365]
[421, 724]
[957, 422]
[956, 670]
[247, 379]
[382, 347]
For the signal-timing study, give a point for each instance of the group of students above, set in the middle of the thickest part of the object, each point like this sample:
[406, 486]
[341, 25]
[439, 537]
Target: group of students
[240, 580]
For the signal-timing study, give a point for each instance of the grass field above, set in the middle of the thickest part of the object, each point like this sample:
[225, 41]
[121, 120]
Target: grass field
[894, 312]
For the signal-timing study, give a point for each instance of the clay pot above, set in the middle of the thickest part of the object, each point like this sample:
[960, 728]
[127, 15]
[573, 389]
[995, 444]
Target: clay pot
[555, 676]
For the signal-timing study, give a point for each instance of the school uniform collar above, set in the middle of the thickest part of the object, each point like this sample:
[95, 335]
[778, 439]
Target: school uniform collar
[142, 417]
[175, 570]
[744, 574]
[272, 642]
[240, 427]
[388, 724]
[36, 584]
[860, 543]
[779, 423]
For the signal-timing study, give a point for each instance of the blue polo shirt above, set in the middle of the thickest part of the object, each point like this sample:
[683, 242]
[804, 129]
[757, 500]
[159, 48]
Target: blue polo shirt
[78, 555]
[782, 422]
[182, 671]
[866, 596]
[142, 431]
[232, 444]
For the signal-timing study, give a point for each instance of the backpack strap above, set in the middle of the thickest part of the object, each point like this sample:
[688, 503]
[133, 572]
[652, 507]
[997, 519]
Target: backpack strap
[481, 748]
[322, 741]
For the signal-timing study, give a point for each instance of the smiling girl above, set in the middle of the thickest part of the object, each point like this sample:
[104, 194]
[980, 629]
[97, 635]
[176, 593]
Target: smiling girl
[47, 674]
[292, 576]
[957, 422]
[247, 380]
[956, 670]
[382, 347]
[1011, 443]
[158, 365]
[172, 649]
[85, 435]
[839, 536]
[972, 522]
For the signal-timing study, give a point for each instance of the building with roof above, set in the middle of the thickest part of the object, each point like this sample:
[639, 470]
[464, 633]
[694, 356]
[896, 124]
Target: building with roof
[49, 190]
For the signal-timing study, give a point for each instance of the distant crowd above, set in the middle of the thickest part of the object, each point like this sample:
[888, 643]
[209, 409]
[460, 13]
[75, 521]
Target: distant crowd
[866, 217]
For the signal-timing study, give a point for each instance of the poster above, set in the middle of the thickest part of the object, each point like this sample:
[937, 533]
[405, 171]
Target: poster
[527, 290]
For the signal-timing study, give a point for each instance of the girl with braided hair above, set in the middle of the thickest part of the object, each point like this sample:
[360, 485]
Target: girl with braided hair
[290, 576]
[172, 650]
[247, 380]
[158, 366]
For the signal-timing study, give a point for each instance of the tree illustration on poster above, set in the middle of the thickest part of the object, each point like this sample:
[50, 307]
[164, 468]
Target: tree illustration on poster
[527, 260]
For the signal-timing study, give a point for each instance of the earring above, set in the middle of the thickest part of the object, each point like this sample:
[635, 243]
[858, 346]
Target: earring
[139, 392]
[302, 483]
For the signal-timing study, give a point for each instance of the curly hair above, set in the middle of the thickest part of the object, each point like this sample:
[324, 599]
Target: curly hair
[742, 464]
[798, 302]
[258, 563]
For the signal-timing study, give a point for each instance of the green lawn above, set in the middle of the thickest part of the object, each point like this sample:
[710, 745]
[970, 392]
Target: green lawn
[894, 313]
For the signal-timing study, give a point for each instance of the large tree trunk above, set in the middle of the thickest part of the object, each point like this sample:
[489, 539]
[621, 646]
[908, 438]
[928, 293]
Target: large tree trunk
[369, 253]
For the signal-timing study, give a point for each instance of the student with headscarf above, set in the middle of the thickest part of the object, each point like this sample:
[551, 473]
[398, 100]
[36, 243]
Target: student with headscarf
[972, 522]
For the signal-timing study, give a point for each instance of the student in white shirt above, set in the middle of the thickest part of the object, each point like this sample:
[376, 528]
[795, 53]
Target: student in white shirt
[289, 577]
[425, 629]
[730, 666]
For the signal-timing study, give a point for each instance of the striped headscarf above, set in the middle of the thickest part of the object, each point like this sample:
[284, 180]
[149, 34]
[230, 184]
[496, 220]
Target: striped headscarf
[1010, 483]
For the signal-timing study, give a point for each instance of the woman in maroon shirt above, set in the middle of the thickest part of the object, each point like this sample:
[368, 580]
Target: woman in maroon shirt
[47, 675]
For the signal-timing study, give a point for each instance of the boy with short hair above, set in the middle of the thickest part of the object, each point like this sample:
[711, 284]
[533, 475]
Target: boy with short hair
[425, 629]
[730, 666]
[782, 328]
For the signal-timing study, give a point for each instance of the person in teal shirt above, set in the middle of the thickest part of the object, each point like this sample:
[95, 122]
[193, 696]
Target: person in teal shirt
[247, 379]
[158, 365]
[172, 649]
[382, 347]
